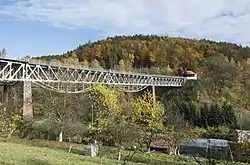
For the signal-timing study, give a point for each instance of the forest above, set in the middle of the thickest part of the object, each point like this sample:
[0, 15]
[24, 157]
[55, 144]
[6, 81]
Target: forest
[211, 107]
[222, 68]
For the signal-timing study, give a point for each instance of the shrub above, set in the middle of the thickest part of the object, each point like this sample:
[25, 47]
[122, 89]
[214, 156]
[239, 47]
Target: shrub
[9, 123]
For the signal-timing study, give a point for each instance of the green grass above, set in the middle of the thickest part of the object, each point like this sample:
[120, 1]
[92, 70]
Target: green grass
[21, 154]
[20, 151]
[39, 152]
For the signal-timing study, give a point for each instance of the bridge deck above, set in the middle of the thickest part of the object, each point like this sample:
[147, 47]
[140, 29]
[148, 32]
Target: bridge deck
[61, 77]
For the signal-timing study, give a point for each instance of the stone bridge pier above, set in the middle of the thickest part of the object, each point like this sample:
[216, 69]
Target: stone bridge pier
[18, 96]
[27, 101]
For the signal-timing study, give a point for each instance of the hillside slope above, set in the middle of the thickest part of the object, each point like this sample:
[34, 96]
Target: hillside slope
[223, 68]
[149, 51]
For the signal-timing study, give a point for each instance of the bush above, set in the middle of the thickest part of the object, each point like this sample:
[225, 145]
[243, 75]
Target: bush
[38, 130]
[216, 132]
[9, 123]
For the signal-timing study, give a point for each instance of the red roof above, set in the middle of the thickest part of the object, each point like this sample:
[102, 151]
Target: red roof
[160, 143]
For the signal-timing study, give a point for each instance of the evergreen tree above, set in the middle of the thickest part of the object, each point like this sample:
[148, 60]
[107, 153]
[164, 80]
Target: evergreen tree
[188, 109]
[214, 115]
[229, 117]
[203, 118]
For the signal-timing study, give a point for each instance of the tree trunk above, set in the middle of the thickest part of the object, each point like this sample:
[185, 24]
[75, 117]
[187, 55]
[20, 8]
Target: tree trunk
[61, 136]
[171, 150]
[70, 147]
[176, 151]
[148, 149]
[119, 154]
[149, 142]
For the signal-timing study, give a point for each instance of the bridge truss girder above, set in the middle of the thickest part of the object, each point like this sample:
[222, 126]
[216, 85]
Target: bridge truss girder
[77, 80]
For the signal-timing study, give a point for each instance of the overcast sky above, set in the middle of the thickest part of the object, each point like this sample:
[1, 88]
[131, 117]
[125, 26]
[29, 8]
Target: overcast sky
[40, 27]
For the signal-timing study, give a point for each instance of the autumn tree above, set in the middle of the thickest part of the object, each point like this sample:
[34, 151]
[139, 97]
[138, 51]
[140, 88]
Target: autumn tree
[102, 63]
[122, 66]
[95, 64]
[108, 118]
[72, 60]
[221, 79]
[85, 63]
[9, 122]
[148, 115]
[176, 130]
[58, 113]
[128, 61]
[168, 71]
[246, 83]
[151, 58]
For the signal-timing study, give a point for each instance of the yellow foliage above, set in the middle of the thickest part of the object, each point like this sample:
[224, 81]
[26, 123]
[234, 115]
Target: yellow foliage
[105, 104]
[147, 114]
[8, 123]
[95, 64]
[151, 57]
[85, 63]
[122, 66]
[74, 56]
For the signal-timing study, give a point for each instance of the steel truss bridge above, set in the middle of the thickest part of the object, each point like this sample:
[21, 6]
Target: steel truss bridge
[77, 79]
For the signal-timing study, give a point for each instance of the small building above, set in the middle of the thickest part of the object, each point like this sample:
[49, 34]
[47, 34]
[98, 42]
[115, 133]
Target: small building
[190, 75]
[213, 148]
[161, 144]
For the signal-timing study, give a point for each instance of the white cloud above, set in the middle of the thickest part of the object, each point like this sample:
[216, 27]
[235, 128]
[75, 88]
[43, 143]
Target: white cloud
[216, 19]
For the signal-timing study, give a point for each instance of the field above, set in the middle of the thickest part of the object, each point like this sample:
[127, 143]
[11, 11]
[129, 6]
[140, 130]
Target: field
[21, 154]
[38, 152]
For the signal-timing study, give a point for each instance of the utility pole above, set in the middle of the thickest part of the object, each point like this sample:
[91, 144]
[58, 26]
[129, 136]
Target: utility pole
[240, 122]
[154, 97]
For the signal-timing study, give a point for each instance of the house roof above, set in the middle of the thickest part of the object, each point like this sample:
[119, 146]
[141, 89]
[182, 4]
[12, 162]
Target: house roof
[160, 143]
[189, 72]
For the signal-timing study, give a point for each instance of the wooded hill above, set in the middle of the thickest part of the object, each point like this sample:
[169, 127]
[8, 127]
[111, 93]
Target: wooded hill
[223, 68]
